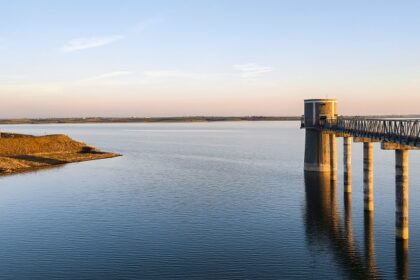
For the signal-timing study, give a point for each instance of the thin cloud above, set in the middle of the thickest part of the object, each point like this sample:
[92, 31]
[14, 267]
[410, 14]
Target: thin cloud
[251, 70]
[145, 24]
[10, 77]
[157, 76]
[108, 76]
[84, 43]
[89, 43]
[2, 42]
[170, 74]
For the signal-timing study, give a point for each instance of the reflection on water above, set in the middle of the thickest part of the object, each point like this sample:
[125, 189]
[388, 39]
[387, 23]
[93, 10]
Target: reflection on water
[217, 201]
[369, 242]
[322, 221]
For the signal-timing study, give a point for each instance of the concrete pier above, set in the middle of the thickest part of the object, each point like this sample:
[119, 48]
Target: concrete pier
[401, 194]
[347, 164]
[368, 175]
[333, 157]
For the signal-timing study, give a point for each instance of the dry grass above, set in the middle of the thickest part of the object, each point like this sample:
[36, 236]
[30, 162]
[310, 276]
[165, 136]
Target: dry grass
[41, 144]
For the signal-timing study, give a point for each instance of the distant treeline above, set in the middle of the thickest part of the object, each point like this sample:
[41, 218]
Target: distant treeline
[144, 120]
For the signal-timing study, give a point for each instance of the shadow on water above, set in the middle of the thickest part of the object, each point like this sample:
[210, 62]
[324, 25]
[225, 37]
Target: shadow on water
[324, 227]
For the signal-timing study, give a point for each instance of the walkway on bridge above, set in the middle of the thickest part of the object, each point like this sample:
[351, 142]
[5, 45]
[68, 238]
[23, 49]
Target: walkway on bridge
[397, 131]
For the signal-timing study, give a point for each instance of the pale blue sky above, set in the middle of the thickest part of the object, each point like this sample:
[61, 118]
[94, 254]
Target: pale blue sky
[230, 57]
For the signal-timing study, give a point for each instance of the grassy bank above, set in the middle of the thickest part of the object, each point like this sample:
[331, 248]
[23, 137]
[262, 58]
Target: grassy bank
[20, 153]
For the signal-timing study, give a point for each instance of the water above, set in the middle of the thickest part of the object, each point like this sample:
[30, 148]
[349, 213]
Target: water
[201, 201]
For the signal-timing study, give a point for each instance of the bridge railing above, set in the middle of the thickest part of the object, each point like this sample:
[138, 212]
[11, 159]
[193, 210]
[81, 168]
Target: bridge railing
[401, 131]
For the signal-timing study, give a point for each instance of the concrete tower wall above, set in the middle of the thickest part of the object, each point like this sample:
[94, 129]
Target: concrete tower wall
[317, 144]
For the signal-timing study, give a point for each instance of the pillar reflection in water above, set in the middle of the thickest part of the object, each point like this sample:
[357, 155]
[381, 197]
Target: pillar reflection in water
[348, 217]
[323, 224]
[401, 249]
[369, 241]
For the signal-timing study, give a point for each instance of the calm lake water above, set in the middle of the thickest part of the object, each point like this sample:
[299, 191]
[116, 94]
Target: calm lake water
[201, 201]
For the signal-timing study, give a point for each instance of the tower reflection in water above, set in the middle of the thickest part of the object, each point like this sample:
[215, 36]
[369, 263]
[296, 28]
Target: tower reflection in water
[322, 221]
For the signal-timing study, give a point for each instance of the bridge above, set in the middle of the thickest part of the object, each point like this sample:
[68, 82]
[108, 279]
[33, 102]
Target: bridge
[398, 131]
[323, 126]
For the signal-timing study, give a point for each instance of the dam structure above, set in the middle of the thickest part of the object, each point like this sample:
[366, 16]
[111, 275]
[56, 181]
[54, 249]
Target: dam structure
[323, 126]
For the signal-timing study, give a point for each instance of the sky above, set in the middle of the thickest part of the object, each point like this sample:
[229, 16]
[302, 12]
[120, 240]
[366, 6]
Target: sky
[139, 58]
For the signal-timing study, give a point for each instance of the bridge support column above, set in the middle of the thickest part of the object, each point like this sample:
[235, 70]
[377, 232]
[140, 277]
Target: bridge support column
[347, 165]
[401, 194]
[368, 175]
[333, 156]
[401, 187]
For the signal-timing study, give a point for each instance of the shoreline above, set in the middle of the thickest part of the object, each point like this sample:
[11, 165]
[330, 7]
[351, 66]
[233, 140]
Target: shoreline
[44, 167]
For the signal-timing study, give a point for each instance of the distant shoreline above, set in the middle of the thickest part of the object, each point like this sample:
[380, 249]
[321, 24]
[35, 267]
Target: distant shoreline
[143, 120]
[166, 119]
